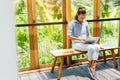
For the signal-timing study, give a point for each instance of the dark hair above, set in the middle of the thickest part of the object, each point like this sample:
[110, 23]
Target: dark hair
[81, 10]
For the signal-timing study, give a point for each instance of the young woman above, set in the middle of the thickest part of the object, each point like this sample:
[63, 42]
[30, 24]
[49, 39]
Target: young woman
[78, 31]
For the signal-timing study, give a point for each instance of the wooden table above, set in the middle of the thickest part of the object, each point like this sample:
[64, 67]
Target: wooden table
[62, 53]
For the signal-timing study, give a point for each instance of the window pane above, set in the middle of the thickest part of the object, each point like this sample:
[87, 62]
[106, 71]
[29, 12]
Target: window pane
[110, 8]
[87, 4]
[48, 10]
[20, 7]
[22, 38]
[109, 32]
[49, 38]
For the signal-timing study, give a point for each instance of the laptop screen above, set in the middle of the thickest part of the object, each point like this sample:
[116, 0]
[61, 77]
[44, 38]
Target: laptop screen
[92, 40]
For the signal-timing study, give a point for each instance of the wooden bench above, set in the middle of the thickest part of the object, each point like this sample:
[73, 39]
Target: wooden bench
[62, 53]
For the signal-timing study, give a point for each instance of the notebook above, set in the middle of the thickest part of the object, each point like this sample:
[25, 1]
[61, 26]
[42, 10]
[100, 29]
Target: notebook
[107, 46]
[91, 40]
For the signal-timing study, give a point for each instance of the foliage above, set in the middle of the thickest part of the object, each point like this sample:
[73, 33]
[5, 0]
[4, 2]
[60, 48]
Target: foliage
[83, 3]
[22, 33]
[24, 60]
[48, 10]
[49, 38]
[20, 11]
[23, 47]
[110, 9]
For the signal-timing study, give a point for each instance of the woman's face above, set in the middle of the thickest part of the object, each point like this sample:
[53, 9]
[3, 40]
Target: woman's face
[81, 17]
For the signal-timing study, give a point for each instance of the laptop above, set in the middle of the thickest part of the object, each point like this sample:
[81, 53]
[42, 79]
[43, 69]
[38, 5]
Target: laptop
[91, 40]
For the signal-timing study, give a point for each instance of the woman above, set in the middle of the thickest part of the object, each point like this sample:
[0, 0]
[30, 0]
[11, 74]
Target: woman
[78, 31]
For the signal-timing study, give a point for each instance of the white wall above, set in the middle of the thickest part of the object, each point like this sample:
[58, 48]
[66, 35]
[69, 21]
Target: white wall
[8, 53]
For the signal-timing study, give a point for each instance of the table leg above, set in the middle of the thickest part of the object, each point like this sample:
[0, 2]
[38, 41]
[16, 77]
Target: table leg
[53, 65]
[104, 56]
[60, 69]
[114, 58]
[68, 60]
[119, 52]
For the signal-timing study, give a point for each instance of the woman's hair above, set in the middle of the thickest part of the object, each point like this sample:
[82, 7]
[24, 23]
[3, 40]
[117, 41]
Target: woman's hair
[80, 11]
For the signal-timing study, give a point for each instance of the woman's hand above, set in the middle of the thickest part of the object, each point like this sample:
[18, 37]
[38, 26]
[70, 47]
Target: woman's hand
[82, 39]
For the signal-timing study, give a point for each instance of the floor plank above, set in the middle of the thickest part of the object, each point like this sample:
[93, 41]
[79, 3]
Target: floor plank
[104, 72]
[24, 77]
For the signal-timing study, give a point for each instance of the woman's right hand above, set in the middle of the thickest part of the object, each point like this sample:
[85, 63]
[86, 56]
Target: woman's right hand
[82, 39]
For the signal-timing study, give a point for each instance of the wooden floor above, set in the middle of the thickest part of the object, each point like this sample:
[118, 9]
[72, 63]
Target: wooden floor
[104, 72]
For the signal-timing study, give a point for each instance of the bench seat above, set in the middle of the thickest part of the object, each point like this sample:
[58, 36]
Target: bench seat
[62, 53]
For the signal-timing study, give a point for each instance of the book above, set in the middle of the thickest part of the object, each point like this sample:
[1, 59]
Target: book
[106, 46]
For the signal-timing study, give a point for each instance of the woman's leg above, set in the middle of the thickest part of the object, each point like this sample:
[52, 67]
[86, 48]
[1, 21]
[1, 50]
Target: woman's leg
[94, 66]
[84, 47]
[93, 53]
[90, 63]
[95, 57]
